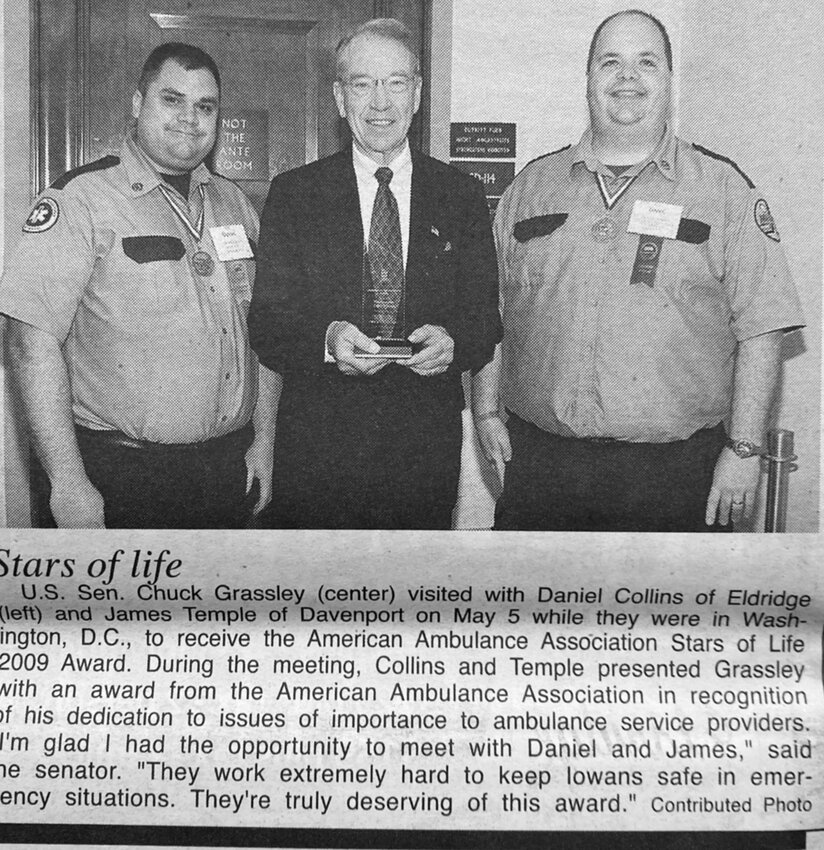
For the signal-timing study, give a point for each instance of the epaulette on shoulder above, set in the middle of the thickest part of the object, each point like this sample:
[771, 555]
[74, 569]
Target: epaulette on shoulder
[718, 156]
[216, 175]
[109, 161]
[551, 153]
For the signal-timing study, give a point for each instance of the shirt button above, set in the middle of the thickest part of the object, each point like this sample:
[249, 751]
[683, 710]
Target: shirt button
[212, 288]
[225, 331]
[227, 376]
[223, 418]
[665, 165]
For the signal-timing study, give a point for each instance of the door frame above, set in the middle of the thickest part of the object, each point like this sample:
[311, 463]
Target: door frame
[59, 46]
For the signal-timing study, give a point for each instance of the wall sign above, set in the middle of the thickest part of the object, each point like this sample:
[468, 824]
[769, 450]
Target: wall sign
[495, 177]
[242, 150]
[472, 140]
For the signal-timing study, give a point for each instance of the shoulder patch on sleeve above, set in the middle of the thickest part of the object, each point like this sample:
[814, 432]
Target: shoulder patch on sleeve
[43, 217]
[765, 221]
[714, 155]
[98, 165]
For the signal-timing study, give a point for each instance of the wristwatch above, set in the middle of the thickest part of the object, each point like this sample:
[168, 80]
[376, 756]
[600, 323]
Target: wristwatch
[744, 448]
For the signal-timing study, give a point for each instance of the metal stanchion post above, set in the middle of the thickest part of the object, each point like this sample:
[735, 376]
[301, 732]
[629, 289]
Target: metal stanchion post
[780, 462]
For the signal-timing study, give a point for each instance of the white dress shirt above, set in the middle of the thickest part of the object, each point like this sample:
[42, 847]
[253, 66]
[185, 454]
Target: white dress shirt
[401, 187]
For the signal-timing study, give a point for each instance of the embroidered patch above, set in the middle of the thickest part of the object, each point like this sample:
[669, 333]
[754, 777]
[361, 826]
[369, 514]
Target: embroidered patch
[43, 217]
[765, 221]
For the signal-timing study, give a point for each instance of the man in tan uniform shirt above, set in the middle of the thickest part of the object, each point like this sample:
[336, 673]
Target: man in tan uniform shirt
[127, 299]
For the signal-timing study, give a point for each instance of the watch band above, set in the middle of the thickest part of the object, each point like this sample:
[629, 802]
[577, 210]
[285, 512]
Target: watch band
[743, 447]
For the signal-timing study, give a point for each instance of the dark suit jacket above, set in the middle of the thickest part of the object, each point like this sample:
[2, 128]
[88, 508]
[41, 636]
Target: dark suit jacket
[339, 437]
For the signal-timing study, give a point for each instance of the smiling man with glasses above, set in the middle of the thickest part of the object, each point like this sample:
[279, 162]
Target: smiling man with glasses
[377, 288]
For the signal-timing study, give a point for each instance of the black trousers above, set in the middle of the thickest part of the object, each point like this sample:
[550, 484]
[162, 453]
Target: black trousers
[377, 476]
[379, 452]
[565, 484]
[198, 485]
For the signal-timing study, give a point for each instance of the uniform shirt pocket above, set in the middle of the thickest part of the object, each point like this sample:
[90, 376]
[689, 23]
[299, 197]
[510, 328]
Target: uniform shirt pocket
[537, 253]
[150, 249]
[539, 225]
[694, 285]
[693, 231]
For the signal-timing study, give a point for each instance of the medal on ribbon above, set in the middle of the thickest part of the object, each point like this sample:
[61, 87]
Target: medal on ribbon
[202, 263]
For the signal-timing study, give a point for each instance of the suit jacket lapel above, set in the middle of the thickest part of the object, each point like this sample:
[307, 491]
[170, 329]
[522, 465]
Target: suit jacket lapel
[344, 229]
[419, 254]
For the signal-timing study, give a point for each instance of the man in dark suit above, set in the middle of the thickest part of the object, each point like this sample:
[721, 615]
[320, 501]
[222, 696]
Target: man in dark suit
[376, 241]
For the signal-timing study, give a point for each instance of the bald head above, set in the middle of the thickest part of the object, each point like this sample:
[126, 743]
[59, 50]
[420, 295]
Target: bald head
[651, 18]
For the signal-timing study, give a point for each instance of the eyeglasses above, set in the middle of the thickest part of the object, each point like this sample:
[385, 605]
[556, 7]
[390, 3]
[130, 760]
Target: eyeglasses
[366, 86]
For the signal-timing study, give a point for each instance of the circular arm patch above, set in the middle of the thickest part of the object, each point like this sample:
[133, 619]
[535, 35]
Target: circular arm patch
[43, 217]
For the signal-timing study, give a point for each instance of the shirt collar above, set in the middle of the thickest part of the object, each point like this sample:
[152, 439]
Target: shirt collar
[141, 174]
[366, 167]
[663, 156]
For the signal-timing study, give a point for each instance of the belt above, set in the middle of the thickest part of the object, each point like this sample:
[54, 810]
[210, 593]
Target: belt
[605, 441]
[118, 439]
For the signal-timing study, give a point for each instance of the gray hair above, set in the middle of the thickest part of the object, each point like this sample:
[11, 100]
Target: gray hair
[390, 29]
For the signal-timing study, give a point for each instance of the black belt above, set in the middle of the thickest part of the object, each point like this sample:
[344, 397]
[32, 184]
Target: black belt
[120, 440]
[601, 441]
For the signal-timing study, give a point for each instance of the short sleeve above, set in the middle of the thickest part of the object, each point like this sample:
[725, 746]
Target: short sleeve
[762, 294]
[48, 270]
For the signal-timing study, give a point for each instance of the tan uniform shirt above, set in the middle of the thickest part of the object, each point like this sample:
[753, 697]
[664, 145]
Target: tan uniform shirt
[587, 352]
[152, 348]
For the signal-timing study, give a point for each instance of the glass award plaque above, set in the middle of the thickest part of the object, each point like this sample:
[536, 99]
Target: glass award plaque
[383, 315]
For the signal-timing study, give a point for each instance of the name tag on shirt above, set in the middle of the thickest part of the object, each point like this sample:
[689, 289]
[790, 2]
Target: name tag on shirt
[231, 242]
[650, 218]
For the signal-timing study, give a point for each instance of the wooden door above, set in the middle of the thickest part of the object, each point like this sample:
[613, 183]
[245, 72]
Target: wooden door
[276, 59]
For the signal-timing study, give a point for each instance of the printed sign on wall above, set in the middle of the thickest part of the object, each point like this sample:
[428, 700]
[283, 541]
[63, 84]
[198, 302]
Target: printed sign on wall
[472, 140]
[495, 176]
[474, 145]
[242, 150]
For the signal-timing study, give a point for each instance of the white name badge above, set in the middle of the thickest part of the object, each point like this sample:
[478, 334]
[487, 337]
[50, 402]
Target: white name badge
[231, 242]
[651, 218]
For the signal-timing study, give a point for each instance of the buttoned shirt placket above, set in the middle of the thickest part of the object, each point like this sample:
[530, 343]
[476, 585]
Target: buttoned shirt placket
[595, 186]
[215, 289]
[221, 300]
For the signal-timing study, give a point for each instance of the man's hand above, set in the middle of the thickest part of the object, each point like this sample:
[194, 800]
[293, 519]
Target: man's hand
[435, 356]
[76, 503]
[494, 439]
[259, 462]
[343, 339]
[734, 483]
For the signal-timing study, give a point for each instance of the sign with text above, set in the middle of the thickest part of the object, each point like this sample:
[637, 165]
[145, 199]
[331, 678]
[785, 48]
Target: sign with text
[495, 176]
[483, 139]
[242, 151]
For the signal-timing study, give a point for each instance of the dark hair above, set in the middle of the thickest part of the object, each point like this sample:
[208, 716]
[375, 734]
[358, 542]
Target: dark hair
[661, 28]
[186, 55]
[388, 28]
